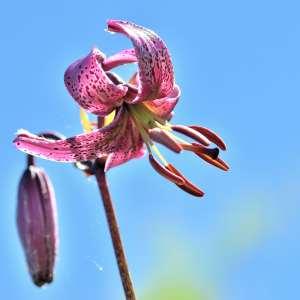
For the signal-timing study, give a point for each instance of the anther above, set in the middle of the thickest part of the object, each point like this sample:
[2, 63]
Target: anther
[218, 162]
[190, 132]
[197, 148]
[212, 136]
[159, 168]
[187, 186]
[161, 136]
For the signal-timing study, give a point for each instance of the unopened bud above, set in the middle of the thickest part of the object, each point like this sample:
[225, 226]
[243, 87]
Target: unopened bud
[37, 223]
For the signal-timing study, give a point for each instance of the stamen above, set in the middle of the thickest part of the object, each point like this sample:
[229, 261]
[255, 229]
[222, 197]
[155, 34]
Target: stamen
[137, 122]
[210, 155]
[218, 162]
[161, 136]
[165, 172]
[141, 117]
[159, 155]
[166, 126]
[178, 139]
[212, 152]
[212, 136]
[191, 133]
[142, 108]
[145, 135]
[187, 186]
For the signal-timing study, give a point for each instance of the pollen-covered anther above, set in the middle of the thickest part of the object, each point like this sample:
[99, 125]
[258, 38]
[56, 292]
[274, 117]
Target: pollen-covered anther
[161, 136]
[187, 186]
[197, 148]
[210, 155]
[217, 162]
[211, 135]
[165, 172]
[191, 133]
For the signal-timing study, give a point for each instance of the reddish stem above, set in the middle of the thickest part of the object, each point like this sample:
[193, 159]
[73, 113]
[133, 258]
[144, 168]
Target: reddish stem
[30, 160]
[114, 231]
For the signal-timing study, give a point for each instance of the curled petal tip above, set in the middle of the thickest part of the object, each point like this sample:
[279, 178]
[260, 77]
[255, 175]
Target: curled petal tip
[22, 135]
[23, 132]
[155, 67]
[112, 25]
[91, 87]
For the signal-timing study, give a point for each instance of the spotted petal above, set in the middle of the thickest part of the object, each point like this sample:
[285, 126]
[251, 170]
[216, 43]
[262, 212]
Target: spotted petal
[91, 87]
[155, 66]
[131, 146]
[119, 141]
[123, 57]
[163, 107]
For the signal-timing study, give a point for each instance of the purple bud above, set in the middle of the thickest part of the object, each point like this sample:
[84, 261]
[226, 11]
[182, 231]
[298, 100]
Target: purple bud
[37, 223]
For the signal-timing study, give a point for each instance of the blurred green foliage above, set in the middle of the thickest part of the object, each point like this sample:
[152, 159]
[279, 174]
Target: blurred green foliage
[179, 289]
[190, 273]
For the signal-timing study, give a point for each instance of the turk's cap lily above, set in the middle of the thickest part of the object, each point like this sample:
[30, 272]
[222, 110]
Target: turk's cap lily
[37, 222]
[141, 109]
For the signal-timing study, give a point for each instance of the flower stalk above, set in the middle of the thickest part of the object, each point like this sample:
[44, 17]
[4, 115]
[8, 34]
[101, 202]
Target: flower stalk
[114, 230]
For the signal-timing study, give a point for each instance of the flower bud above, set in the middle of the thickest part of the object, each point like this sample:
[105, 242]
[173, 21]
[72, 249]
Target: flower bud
[37, 222]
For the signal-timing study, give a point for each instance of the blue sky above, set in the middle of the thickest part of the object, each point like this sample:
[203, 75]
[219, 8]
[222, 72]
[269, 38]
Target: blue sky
[238, 66]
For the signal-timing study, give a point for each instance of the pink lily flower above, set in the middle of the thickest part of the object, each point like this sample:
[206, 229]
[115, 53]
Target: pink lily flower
[143, 108]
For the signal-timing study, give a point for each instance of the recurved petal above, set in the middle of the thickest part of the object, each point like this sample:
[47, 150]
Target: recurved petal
[123, 57]
[91, 87]
[119, 141]
[163, 107]
[155, 66]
